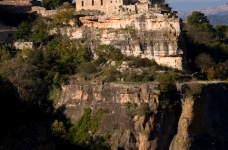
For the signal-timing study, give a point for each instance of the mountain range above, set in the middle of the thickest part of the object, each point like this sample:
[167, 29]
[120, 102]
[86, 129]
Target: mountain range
[216, 15]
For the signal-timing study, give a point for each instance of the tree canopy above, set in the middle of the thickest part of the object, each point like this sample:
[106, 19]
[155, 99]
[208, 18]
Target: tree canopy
[197, 18]
[221, 31]
[23, 31]
[65, 13]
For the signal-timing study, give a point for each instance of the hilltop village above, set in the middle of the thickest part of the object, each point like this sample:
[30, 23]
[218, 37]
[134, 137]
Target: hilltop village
[157, 26]
[111, 75]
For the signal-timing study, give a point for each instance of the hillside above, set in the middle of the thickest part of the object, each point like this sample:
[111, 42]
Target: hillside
[130, 77]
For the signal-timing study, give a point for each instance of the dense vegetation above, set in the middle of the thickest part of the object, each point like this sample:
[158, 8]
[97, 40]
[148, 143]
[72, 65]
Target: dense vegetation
[30, 78]
[207, 47]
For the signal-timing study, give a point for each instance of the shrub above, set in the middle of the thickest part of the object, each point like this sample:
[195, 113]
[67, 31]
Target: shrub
[87, 68]
[210, 73]
[166, 83]
[144, 109]
[133, 109]
[142, 62]
[204, 62]
[111, 74]
[194, 90]
[79, 133]
[55, 94]
[59, 130]
[108, 52]
[132, 76]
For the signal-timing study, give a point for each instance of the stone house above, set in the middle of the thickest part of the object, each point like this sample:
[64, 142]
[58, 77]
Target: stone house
[6, 33]
[115, 6]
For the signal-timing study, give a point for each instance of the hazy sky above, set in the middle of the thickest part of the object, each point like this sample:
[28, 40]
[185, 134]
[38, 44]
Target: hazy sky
[192, 0]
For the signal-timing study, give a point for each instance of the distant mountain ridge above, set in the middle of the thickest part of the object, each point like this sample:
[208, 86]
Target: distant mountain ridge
[217, 15]
[219, 10]
[193, 5]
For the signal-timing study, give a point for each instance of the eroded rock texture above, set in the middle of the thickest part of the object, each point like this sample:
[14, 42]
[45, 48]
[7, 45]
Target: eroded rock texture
[203, 122]
[141, 131]
[200, 123]
[147, 30]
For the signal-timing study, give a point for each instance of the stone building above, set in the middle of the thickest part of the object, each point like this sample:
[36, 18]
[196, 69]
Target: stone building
[6, 33]
[18, 6]
[156, 29]
[110, 6]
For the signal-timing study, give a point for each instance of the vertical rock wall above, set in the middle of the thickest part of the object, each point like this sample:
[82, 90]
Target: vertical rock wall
[200, 125]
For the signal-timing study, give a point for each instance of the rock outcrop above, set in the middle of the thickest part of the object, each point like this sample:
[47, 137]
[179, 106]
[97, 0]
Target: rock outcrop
[203, 120]
[200, 123]
[149, 30]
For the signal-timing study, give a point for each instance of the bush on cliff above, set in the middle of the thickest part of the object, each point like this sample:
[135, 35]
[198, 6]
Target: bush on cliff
[108, 52]
[82, 131]
[166, 83]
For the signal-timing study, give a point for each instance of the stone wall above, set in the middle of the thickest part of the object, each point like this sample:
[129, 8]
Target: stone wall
[23, 45]
[6, 33]
[102, 5]
[43, 12]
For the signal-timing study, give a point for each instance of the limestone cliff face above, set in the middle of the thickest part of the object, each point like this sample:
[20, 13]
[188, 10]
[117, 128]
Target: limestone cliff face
[203, 122]
[141, 131]
[154, 34]
[200, 125]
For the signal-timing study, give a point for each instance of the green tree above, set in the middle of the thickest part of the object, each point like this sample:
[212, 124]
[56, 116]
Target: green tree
[65, 14]
[221, 70]
[108, 52]
[27, 79]
[166, 83]
[40, 30]
[58, 130]
[52, 4]
[24, 31]
[197, 18]
[60, 59]
[4, 55]
[82, 131]
[221, 31]
[205, 27]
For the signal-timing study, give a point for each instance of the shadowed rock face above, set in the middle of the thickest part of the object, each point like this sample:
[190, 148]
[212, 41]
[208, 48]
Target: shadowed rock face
[127, 2]
[149, 131]
[203, 122]
[200, 125]
[157, 1]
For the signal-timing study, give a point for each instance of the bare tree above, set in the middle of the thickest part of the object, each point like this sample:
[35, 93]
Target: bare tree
[204, 62]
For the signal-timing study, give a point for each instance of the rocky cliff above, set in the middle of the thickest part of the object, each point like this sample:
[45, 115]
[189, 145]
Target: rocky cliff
[154, 33]
[136, 120]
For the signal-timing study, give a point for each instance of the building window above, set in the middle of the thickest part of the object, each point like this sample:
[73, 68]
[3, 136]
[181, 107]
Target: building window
[82, 3]
[101, 2]
[10, 35]
[92, 2]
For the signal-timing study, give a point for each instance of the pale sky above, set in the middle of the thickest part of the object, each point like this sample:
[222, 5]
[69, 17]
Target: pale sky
[192, 0]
